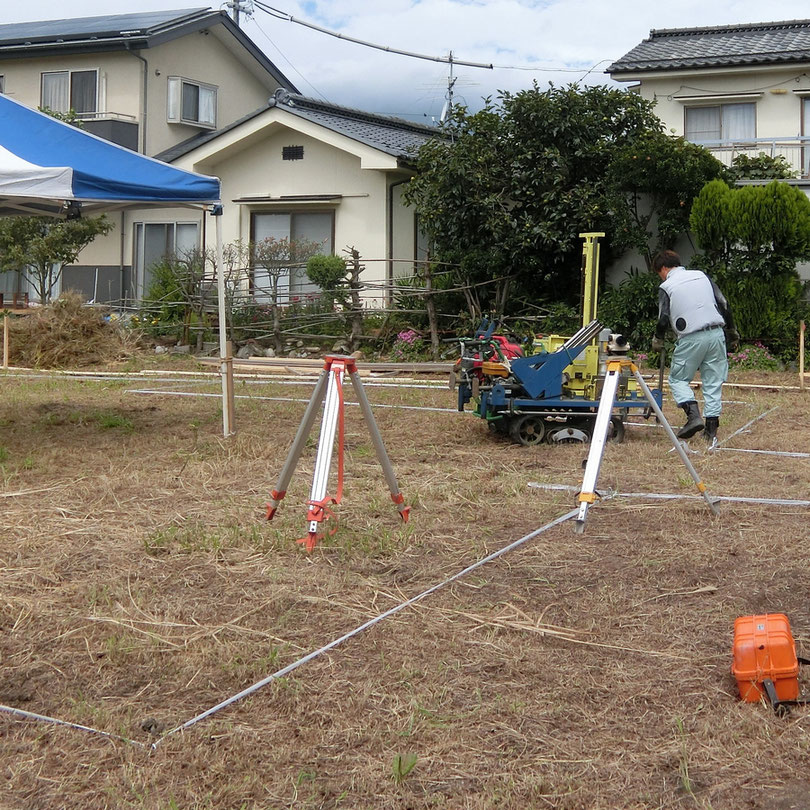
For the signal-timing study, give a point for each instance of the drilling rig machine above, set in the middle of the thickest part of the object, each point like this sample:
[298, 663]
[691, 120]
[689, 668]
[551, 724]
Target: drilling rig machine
[552, 395]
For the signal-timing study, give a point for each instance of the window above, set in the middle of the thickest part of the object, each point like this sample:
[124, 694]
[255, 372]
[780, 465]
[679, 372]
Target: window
[724, 122]
[310, 226]
[154, 241]
[66, 90]
[192, 102]
[2, 84]
[805, 132]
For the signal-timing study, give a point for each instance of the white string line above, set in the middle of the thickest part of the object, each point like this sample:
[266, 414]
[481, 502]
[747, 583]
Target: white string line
[762, 452]
[746, 425]
[43, 718]
[280, 399]
[666, 496]
[370, 623]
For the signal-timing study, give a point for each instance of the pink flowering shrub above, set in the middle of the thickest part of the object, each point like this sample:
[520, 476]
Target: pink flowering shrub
[753, 356]
[408, 346]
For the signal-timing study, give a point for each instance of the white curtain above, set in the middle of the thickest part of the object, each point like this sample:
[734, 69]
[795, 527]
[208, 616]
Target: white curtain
[208, 103]
[739, 122]
[702, 124]
[56, 91]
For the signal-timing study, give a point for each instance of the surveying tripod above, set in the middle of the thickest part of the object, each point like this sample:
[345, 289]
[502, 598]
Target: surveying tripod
[331, 382]
[588, 494]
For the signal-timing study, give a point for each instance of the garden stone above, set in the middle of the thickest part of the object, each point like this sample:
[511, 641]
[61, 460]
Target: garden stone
[184, 349]
[161, 350]
[269, 352]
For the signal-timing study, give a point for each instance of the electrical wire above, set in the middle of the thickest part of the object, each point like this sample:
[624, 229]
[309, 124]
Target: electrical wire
[283, 15]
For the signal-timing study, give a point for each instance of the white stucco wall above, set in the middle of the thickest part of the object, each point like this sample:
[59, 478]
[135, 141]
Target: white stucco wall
[242, 86]
[250, 164]
[775, 90]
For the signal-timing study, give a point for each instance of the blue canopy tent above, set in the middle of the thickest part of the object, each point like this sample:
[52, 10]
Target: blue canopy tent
[50, 168]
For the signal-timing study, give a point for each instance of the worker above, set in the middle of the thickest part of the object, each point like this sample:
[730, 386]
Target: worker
[691, 304]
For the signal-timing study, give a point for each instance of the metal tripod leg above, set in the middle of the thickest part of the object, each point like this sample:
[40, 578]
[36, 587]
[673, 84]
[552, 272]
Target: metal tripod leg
[382, 455]
[588, 494]
[298, 445]
[675, 443]
[326, 444]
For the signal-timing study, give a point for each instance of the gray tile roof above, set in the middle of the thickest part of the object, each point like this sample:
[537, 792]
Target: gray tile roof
[393, 136]
[718, 46]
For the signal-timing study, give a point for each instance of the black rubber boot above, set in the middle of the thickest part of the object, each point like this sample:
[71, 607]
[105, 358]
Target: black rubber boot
[710, 431]
[693, 421]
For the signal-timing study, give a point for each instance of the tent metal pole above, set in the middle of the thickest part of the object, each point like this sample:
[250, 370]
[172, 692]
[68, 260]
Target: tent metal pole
[225, 359]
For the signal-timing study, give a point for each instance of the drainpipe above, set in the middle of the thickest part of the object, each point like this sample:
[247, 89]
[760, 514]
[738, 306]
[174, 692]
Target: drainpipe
[390, 272]
[143, 99]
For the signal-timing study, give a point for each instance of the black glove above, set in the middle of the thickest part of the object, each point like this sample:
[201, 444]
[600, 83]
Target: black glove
[657, 344]
[732, 340]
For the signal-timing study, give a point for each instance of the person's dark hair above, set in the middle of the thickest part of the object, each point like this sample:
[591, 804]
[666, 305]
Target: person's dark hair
[666, 258]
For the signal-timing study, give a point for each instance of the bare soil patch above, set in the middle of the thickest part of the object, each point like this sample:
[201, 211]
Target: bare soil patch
[141, 585]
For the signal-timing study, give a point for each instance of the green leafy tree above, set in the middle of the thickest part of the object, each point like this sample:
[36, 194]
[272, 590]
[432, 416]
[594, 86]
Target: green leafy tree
[329, 273]
[753, 237]
[39, 247]
[661, 176]
[508, 190]
[183, 290]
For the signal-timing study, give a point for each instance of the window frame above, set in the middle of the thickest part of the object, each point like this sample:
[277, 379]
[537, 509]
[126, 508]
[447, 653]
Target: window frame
[138, 249]
[174, 102]
[69, 72]
[288, 295]
[721, 105]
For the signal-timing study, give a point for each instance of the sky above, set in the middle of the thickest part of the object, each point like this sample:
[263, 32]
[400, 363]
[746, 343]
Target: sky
[559, 41]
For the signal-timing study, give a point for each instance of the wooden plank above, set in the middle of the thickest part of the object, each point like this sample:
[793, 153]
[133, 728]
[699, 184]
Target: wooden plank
[311, 363]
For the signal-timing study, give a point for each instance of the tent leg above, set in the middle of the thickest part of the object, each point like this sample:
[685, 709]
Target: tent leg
[225, 358]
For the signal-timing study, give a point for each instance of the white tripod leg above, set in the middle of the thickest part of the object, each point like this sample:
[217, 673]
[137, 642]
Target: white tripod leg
[587, 494]
[298, 445]
[326, 443]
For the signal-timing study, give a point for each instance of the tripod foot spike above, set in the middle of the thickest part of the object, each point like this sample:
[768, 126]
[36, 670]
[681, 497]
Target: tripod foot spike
[310, 541]
[272, 506]
[404, 511]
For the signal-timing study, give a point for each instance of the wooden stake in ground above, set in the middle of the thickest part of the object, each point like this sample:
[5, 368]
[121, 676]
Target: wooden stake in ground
[801, 354]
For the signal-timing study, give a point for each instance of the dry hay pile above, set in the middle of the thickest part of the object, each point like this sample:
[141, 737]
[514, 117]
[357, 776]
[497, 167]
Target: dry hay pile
[67, 334]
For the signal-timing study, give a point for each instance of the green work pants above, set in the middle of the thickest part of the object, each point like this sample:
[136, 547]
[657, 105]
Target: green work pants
[703, 351]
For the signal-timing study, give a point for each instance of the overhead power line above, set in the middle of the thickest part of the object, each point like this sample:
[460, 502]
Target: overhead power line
[451, 60]
[283, 15]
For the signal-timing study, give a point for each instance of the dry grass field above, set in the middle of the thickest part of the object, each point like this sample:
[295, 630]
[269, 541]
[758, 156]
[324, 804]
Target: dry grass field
[140, 585]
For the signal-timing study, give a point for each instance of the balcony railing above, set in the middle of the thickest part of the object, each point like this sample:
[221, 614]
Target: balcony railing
[795, 150]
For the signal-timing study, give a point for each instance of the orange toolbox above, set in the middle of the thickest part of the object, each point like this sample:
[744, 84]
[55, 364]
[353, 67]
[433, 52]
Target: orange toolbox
[765, 661]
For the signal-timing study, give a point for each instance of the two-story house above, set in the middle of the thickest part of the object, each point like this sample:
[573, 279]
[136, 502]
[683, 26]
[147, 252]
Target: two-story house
[190, 87]
[735, 89]
[147, 81]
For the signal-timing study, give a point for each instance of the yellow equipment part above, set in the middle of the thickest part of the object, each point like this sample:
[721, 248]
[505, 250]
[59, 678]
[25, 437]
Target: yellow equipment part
[492, 368]
[583, 376]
